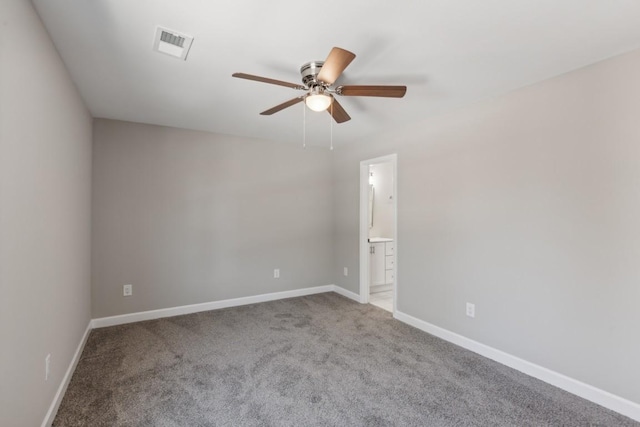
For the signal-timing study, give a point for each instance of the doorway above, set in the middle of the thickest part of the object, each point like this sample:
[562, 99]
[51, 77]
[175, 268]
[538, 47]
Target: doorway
[378, 232]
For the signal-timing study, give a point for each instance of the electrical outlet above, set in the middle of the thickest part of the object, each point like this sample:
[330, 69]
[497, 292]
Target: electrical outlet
[127, 290]
[471, 310]
[276, 273]
[47, 367]
[346, 271]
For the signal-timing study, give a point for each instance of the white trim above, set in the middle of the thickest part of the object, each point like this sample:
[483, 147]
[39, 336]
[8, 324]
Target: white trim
[345, 293]
[364, 232]
[57, 399]
[394, 162]
[586, 391]
[206, 306]
[364, 228]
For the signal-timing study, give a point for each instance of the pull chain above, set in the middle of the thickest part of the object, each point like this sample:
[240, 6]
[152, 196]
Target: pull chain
[304, 125]
[331, 125]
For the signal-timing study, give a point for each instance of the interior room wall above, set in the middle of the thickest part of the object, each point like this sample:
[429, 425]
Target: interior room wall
[45, 177]
[526, 205]
[190, 217]
[382, 180]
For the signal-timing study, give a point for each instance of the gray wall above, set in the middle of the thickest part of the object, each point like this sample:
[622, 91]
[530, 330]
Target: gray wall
[528, 206]
[45, 177]
[190, 217]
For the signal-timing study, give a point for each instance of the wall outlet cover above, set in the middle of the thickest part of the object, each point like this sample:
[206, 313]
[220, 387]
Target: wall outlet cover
[471, 310]
[127, 290]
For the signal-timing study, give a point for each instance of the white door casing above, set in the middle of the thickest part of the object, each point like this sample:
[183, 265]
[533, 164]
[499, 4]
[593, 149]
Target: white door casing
[364, 228]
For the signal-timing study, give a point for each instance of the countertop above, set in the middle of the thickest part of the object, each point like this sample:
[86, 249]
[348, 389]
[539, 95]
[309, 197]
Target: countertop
[379, 239]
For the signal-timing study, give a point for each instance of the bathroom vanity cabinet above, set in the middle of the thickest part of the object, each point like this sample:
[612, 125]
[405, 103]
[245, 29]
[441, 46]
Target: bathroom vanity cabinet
[381, 261]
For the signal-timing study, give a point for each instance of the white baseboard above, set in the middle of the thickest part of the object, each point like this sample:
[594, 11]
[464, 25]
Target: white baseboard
[345, 293]
[586, 391]
[53, 409]
[213, 305]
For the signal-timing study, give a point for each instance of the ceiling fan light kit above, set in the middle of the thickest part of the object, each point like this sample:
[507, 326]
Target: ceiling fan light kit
[317, 100]
[318, 78]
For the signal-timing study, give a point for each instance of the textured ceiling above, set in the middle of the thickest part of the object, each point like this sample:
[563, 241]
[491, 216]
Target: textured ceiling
[449, 53]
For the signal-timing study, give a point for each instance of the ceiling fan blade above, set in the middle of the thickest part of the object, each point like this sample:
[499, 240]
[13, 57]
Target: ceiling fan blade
[384, 91]
[282, 106]
[267, 80]
[335, 64]
[337, 112]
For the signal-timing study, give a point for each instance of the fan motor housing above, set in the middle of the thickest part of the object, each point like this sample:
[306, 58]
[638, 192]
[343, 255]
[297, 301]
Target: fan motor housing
[309, 72]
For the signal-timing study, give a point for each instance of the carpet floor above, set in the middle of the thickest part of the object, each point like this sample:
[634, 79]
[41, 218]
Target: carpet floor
[319, 360]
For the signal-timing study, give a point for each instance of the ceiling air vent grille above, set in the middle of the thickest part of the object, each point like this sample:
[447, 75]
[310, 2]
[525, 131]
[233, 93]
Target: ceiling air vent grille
[171, 39]
[172, 43]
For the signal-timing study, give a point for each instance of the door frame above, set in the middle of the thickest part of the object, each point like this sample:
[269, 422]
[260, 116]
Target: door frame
[364, 225]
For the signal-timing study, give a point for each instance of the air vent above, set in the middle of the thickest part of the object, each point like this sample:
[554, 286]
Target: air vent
[172, 43]
[171, 39]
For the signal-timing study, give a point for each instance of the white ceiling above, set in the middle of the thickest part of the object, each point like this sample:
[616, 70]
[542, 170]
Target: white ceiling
[449, 53]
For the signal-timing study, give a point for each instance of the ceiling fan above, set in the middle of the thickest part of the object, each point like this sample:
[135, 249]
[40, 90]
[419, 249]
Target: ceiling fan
[317, 79]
